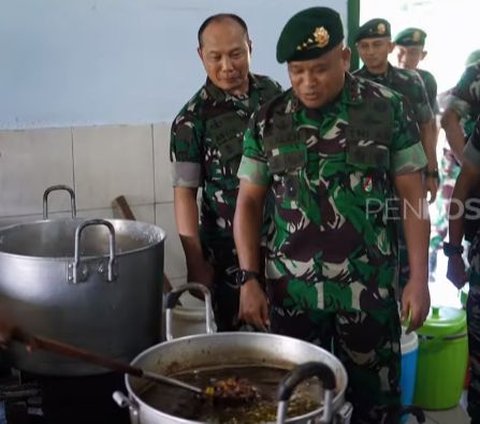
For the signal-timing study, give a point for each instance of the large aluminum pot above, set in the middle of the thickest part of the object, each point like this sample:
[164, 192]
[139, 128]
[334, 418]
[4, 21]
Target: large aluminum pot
[231, 349]
[95, 284]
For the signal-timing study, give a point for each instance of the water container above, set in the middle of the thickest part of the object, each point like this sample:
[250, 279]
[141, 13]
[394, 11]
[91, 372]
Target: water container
[409, 349]
[442, 359]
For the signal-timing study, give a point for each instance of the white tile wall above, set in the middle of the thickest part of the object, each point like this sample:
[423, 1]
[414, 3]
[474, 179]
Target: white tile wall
[113, 160]
[174, 257]
[31, 161]
[161, 147]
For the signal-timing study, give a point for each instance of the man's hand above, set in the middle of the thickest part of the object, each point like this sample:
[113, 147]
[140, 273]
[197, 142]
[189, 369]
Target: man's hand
[253, 308]
[415, 304]
[456, 271]
[431, 187]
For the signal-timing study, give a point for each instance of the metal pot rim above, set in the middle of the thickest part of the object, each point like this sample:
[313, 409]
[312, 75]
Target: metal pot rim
[339, 397]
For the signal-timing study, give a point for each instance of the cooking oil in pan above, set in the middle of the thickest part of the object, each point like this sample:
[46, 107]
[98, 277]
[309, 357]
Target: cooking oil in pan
[183, 404]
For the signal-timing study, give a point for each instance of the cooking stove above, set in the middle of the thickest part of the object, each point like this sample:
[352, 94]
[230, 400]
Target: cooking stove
[35, 399]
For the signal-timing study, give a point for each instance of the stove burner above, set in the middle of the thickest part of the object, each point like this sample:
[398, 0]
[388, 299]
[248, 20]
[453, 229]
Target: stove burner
[34, 399]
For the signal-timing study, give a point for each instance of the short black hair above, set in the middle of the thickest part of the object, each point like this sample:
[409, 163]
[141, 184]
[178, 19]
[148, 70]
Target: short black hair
[220, 17]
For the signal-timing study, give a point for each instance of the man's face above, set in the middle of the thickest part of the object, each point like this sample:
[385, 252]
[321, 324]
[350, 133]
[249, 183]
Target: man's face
[317, 82]
[374, 52]
[225, 54]
[408, 57]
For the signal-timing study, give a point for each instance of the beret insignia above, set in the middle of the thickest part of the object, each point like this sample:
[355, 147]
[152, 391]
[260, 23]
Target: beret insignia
[321, 36]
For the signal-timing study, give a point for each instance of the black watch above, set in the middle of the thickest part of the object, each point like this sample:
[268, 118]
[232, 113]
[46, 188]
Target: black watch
[243, 275]
[450, 249]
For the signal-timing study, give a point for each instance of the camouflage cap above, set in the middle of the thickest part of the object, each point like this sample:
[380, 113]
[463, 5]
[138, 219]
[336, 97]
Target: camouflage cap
[374, 28]
[411, 37]
[309, 34]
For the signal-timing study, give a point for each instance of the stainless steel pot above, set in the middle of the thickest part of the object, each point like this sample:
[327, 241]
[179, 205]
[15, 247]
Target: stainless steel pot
[92, 283]
[235, 349]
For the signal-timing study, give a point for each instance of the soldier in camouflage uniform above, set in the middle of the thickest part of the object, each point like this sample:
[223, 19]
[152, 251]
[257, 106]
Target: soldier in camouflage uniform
[410, 50]
[468, 179]
[205, 150]
[465, 103]
[373, 41]
[329, 152]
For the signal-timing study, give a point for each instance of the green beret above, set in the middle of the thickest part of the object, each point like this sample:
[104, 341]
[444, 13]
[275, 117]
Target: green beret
[374, 28]
[309, 34]
[411, 37]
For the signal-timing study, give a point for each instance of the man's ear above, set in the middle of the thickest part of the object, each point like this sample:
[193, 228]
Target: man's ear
[391, 47]
[424, 53]
[346, 56]
[200, 54]
[249, 42]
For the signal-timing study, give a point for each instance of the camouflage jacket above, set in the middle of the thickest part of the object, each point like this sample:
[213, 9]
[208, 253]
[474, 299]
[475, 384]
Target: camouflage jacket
[407, 83]
[465, 97]
[205, 149]
[330, 242]
[431, 87]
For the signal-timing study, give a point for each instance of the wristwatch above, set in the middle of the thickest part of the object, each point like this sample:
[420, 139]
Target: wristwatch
[450, 249]
[433, 173]
[243, 275]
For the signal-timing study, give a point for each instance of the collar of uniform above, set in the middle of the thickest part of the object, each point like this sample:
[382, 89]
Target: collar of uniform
[220, 95]
[378, 77]
[350, 94]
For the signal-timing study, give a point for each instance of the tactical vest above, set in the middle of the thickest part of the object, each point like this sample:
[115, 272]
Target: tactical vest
[368, 137]
[226, 129]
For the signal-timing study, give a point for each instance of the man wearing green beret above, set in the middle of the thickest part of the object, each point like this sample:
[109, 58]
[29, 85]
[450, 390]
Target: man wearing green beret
[330, 152]
[205, 150]
[410, 50]
[373, 41]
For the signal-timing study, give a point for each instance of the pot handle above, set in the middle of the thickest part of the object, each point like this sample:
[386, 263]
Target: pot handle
[56, 188]
[295, 377]
[172, 299]
[124, 402]
[80, 273]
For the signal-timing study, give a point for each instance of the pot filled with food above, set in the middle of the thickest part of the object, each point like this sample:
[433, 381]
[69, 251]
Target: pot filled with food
[92, 283]
[243, 377]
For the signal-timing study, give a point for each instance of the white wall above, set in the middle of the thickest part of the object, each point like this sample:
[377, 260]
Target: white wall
[93, 62]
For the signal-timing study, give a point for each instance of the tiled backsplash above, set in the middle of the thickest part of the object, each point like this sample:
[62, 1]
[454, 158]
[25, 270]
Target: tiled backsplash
[99, 163]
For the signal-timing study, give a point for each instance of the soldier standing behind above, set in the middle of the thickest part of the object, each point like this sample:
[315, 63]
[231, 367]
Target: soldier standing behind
[329, 152]
[410, 50]
[205, 150]
[468, 179]
[374, 44]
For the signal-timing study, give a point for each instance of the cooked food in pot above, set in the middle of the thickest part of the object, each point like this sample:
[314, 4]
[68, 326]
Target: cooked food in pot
[255, 387]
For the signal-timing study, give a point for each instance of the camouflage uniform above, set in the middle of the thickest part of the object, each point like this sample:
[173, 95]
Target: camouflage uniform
[430, 87]
[331, 263]
[408, 83]
[472, 151]
[205, 148]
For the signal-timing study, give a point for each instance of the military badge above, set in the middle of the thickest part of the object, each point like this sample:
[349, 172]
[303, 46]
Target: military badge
[321, 36]
[367, 184]
[381, 28]
[416, 36]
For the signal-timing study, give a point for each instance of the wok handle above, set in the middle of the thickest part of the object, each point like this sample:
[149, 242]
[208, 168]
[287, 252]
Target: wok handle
[56, 188]
[64, 349]
[295, 377]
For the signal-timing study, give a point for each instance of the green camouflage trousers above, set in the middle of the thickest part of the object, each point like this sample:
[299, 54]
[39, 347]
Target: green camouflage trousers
[367, 344]
[473, 323]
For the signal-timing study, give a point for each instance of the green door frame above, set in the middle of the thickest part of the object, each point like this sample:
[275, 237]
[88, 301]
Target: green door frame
[353, 22]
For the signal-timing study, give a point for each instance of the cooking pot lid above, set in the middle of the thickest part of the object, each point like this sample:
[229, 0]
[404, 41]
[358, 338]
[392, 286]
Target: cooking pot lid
[443, 321]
